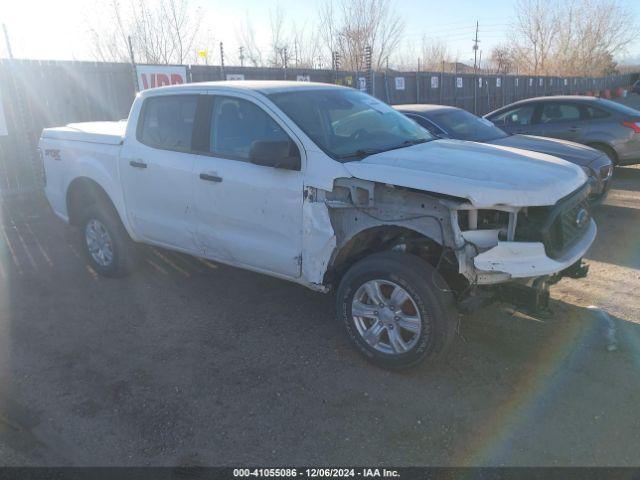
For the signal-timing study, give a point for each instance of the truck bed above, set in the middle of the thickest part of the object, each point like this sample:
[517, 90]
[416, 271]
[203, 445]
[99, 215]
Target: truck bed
[106, 133]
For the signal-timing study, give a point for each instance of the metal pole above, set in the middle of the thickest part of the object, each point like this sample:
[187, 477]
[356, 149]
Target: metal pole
[475, 72]
[136, 86]
[221, 61]
[418, 83]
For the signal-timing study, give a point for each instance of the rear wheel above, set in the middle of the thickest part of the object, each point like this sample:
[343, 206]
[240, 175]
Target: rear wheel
[107, 245]
[396, 309]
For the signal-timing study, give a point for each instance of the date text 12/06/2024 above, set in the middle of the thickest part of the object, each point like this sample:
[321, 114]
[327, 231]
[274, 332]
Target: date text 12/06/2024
[316, 472]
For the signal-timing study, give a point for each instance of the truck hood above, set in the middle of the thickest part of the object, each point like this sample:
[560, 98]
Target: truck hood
[486, 175]
[570, 151]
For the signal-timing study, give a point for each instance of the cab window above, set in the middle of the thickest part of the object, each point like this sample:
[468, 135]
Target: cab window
[167, 122]
[236, 124]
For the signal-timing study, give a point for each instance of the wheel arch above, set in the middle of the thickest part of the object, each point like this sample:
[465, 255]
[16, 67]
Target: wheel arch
[377, 239]
[606, 148]
[84, 192]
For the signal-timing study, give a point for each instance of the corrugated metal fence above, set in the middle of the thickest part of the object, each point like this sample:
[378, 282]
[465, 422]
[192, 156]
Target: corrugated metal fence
[39, 94]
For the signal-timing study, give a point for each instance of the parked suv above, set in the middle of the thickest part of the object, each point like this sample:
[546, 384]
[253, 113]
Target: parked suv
[330, 188]
[602, 124]
[451, 122]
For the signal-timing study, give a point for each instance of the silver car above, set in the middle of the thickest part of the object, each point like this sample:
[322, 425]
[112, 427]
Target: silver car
[608, 126]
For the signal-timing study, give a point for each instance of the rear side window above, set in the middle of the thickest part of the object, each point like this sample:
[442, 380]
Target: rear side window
[236, 124]
[595, 113]
[516, 116]
[559, 112]
[167, 122]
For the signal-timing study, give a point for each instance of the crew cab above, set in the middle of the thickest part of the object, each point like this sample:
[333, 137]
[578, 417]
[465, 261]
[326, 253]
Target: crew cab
[330, 188]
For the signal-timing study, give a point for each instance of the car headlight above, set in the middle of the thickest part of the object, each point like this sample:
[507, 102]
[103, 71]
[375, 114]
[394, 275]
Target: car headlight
[484, 220]
[606, 171]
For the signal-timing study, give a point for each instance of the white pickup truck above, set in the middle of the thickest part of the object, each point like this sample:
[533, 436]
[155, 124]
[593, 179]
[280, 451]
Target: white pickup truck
[327, 187]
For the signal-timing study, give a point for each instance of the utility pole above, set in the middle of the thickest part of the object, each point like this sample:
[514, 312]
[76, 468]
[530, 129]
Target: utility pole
[418, 82]
[475, 71]
[6, 40]
[475, 49]
[284, 61]
[221, 61]
[241, 56]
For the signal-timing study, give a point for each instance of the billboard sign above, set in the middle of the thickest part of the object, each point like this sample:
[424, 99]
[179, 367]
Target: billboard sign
[152, 76]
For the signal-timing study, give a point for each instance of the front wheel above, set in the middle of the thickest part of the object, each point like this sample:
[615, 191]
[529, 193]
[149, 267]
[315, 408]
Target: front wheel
[397, 310]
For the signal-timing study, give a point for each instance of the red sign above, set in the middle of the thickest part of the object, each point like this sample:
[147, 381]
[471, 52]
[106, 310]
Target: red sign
[153, 76]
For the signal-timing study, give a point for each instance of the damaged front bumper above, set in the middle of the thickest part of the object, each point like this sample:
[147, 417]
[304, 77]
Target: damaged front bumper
[519, 260]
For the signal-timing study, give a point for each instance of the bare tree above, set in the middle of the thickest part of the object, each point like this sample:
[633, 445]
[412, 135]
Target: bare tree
[501, 59]
[574, 37]
[305, 42]
[535, 29]
[593, 33]
[434, 52]
[354, 25]
[246, 38]
[162, 31]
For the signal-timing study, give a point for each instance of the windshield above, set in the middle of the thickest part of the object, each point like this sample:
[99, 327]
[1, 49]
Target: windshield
[347, 124]
[462, 125]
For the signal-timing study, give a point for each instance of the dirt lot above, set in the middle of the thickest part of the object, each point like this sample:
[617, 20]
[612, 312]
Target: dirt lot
[188, 362]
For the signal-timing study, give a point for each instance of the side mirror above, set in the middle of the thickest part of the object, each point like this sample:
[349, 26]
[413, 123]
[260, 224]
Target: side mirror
[278, 154]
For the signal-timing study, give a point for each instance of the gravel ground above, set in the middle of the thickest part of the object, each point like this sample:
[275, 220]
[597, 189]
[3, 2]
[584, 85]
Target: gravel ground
[192, 363]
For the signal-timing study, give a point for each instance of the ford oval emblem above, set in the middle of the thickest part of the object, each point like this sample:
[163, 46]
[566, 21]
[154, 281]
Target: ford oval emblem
[582, 217]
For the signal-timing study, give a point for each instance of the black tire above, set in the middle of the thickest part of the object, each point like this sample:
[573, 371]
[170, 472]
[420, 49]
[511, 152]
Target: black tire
[123, 248]
[426, 288]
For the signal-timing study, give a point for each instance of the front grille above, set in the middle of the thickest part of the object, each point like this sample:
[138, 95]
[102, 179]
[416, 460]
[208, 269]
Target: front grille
[559, 227]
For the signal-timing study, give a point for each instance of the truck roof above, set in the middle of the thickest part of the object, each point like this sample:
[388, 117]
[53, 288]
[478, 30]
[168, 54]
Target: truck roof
[262, 86]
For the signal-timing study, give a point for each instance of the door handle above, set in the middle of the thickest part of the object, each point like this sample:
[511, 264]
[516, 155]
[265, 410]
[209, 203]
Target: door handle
[137, 163]
[209, 177]
[574, 129]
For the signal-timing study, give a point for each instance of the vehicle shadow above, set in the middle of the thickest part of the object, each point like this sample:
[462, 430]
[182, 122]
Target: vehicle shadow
[618, 240]
[627, 178]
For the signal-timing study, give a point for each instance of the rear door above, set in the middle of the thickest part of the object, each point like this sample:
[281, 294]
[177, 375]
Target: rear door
[565, 120]
[247, 214]
[156, 169]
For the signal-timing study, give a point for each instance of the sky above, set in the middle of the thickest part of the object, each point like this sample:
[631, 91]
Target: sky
[57, 29]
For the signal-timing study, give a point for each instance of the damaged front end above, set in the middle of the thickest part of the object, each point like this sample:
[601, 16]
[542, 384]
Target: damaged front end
[483, 253]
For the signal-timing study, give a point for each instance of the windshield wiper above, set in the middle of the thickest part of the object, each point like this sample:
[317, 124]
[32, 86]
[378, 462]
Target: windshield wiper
[362, 153]
[365, 152]
[409, 143]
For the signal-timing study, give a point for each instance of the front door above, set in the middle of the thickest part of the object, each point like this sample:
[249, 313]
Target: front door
[518, 120]
[247, 214]
[156, 169]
